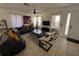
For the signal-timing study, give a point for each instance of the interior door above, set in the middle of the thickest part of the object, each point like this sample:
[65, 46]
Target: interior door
[74, 26]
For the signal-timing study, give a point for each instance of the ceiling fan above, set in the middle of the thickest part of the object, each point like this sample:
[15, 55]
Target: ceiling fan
[35, 11]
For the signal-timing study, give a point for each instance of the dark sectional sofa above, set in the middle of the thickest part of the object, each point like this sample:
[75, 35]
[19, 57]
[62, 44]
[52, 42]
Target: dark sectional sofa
[12, 47]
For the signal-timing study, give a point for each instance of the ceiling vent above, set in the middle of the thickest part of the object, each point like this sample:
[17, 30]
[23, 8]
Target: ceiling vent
[26, 4]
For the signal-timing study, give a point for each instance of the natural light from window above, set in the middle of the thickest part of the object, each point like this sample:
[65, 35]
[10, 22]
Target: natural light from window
[67, 23]
[57, 20]
[37, 21]
[34, 20]
[16, 20]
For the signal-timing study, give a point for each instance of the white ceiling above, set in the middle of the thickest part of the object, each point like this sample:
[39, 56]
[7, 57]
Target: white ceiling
[41, 7]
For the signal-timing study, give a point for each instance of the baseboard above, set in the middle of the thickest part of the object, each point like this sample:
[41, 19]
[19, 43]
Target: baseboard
[73, 40]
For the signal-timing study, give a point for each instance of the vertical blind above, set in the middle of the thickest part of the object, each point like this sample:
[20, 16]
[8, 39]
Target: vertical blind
[55, 21]
[16, 20]
[37, 21]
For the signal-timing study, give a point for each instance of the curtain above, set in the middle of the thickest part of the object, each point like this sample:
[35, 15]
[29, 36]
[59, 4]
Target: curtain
[16, 21]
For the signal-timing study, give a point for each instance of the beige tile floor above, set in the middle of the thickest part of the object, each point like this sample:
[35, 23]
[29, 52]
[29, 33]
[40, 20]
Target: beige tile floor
[72, 49]
[61, 47]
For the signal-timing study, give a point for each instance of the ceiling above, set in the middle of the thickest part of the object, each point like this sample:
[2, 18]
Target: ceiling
[41, 7]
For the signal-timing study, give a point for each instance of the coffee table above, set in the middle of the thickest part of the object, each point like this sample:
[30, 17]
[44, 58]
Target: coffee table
[40, 38]
[38, 33]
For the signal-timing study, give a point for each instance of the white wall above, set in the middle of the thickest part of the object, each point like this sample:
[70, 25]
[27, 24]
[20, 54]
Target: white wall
[74, 32]
[75, 21]
[47, 16]
[6, 14]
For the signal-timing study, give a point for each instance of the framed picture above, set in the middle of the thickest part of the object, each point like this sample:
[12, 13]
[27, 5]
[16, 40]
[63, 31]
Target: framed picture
[26, 19]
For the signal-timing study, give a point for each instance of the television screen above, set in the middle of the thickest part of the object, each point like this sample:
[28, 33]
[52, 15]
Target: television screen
[46, 23]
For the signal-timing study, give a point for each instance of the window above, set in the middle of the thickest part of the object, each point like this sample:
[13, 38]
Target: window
[34, 20]
[67, 23]
[16, 20]
[37, 21]
[55, 21]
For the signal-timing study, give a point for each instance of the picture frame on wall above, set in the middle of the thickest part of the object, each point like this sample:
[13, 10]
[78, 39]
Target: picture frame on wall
[26, 19]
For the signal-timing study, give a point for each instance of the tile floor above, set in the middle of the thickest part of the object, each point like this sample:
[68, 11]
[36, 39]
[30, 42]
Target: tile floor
[61, 47]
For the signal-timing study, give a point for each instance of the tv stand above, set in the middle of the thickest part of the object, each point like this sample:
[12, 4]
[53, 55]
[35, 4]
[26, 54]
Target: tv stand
[45, 29]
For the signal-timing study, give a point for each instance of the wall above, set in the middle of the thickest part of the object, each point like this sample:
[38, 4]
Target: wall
[46, 17]
[74, 10]
[74, 32]
[6, 14]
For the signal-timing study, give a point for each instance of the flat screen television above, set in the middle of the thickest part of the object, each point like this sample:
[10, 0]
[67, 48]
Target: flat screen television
[46, 23]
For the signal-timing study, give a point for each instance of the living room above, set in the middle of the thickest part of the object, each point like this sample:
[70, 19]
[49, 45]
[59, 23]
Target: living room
[39, 29]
